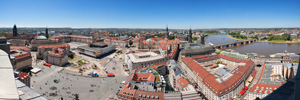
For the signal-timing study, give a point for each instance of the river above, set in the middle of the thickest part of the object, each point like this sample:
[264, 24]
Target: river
[262, 48]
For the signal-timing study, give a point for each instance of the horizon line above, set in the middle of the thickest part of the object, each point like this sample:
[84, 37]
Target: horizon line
[155, 28]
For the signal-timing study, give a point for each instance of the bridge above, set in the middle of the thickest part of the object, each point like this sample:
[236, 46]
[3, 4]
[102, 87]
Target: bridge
[221, 46]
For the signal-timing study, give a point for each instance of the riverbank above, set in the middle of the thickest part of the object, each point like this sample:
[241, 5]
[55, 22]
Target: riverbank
[236, 38]
[279, 41]
[265, 41]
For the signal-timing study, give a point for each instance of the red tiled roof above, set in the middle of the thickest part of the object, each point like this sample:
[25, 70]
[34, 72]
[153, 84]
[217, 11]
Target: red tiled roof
[183, 82]
[210, 79]
[142, 77]
[263, 85]
[155, 66]
[162, 41]
[20, 48]
[60, 53]
[53, 46]
[160, 95]
[272, 87]
[23, 56]
[71, 36]
[23, 76]
[164, 47]
[126, 92]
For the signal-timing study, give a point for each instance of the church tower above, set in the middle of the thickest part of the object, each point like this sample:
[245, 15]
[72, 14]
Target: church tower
[47, 35]
[15, 33]
[190, 38]
[167, 33]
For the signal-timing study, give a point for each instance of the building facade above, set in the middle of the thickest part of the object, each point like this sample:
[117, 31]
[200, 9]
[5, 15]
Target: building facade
[96, 49]
[44, 48]
[57, 57]
[144, 59]
[21, 60]
[73, 38]
[215, 81]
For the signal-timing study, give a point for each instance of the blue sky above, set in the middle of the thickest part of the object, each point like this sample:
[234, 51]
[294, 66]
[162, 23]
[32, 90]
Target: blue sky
[178, 14]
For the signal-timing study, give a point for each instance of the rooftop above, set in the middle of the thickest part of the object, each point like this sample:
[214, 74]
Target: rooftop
[183, 82]
[53, 46]
[58, 52]
[144, 56]
[20, 48]
[266, 76]
[8, 88]
[213, 81]
[27, 93]
[149, 95]
[91, 48]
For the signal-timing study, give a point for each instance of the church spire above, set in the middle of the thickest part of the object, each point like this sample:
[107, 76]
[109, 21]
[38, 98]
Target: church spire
[47, 35]
[190, 38]
[15, 33]
[167, 32]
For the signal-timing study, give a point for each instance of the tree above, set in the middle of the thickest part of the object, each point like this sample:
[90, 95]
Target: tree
[130, 42]
[289, 37]
[4, 34]
[172, 37]
[256, 36]
[195, 38]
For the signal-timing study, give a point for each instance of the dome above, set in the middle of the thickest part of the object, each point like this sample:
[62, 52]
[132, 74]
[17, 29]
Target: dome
[41, 37]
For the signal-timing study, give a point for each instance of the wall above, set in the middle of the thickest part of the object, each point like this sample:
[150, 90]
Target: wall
[23, 63]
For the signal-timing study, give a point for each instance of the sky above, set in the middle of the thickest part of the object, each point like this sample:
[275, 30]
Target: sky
[177, 14]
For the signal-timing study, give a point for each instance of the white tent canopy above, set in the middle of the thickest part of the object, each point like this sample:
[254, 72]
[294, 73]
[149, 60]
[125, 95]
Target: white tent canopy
[35, 70]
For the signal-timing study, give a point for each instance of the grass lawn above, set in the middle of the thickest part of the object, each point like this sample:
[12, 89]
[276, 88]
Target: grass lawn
[81, 62]
[75, 58]
[277, 41]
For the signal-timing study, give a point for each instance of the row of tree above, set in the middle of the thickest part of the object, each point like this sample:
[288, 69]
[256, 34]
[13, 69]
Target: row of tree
[159, 36]
[3, 34]
[212, 31]
[279, 37]
[238, 35]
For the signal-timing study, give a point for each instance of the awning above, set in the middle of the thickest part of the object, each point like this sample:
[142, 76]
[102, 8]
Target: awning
[246, 87]
[35, 70]
[254, 73]
[247, 84]
[242, 92]
[250, 79]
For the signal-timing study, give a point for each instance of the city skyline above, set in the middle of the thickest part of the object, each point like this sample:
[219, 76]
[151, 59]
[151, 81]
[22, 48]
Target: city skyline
[151, 14]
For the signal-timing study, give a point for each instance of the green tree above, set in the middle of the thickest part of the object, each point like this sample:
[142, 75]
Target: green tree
[172, 37]
[289, 38]
[195, 38]
[4, 34]
[130, 42]
[256, 36]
